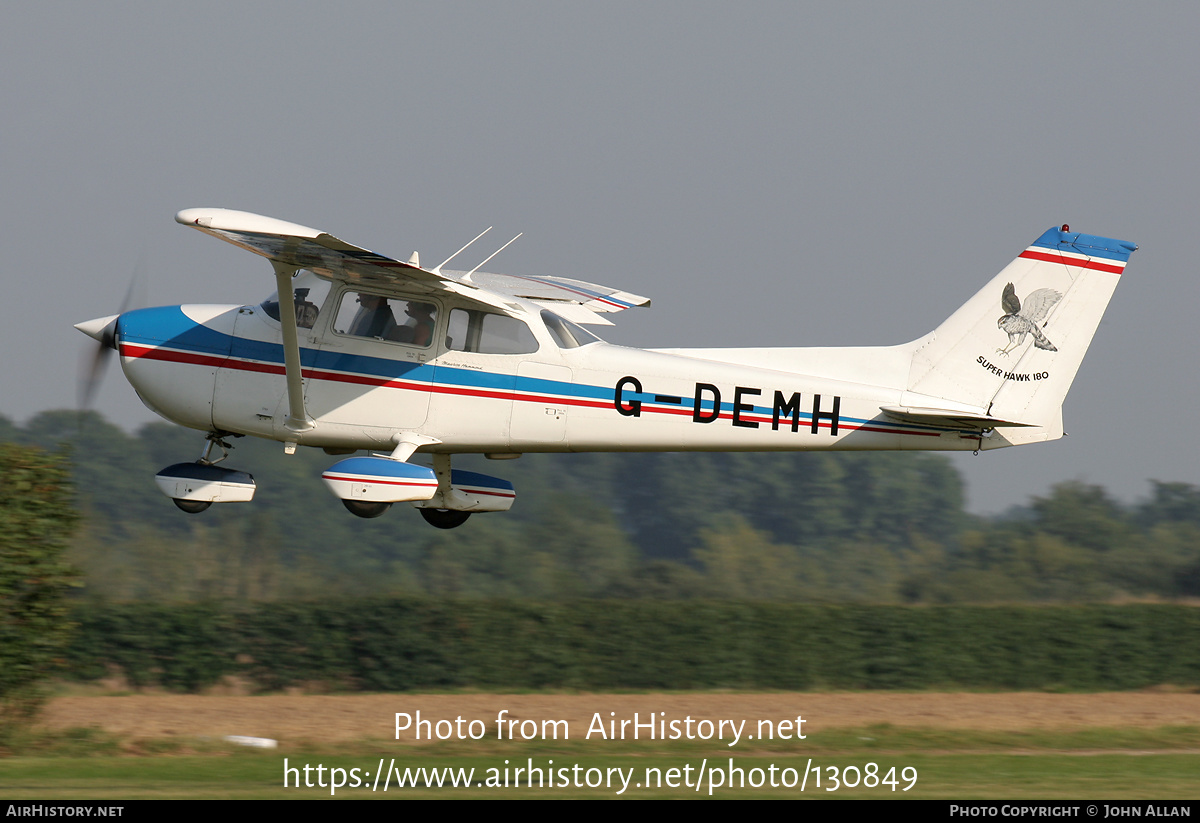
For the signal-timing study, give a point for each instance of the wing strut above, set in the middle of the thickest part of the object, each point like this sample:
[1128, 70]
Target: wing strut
[298, 420]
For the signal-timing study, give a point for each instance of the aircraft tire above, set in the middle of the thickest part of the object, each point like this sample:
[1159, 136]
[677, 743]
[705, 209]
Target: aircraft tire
[444, 518]
[191, 506]
[364, 509]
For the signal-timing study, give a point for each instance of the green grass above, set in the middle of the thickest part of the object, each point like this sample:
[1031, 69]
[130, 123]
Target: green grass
[1159, 763]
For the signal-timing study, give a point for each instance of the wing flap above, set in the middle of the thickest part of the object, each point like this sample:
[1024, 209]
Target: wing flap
[593, 297]
[570, 310]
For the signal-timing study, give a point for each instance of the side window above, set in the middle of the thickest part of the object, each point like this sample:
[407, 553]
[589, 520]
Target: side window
[363, 314]
[488, 333]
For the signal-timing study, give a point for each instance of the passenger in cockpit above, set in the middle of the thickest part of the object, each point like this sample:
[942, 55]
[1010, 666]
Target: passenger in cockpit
[374, 317]
[423, 322]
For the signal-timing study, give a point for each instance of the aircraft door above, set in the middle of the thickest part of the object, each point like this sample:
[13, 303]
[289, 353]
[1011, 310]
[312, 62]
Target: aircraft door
[372, 369]
[476, 377]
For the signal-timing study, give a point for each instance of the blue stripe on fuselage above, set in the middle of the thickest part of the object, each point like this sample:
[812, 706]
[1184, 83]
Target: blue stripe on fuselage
[169, 326]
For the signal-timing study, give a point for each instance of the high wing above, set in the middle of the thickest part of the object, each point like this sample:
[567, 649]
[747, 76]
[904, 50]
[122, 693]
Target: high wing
[300, 247]
[291, 247]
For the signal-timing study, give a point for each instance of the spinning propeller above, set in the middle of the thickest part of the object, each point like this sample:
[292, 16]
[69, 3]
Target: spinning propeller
[104, 331]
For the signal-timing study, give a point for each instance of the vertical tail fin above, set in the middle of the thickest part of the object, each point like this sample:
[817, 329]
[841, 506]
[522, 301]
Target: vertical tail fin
[1013, 349]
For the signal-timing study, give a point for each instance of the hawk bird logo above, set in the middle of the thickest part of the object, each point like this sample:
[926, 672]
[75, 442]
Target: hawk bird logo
[1019, 321]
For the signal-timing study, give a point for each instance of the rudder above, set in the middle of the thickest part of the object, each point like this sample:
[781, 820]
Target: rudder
[1014, 348]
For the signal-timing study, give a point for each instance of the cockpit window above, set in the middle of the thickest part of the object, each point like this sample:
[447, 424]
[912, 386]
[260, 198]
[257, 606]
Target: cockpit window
[308, 292]
[363, 314]
[565, 333]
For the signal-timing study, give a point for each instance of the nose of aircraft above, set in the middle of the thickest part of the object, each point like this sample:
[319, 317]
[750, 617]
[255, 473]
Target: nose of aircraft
[103, 329]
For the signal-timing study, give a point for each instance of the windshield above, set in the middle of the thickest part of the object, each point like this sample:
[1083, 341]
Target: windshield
[308, 291]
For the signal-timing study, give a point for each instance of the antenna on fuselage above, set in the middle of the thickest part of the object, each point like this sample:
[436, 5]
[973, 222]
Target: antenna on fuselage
[438, 268]
[467, 276]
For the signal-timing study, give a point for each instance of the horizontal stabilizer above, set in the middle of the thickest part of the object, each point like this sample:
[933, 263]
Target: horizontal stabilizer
[950, 417]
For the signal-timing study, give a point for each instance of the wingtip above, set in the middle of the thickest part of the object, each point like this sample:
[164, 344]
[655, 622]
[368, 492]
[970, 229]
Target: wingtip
[195, 217]
[242, 221]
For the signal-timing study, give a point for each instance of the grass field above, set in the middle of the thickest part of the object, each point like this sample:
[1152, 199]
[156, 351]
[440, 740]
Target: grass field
[1035, 746]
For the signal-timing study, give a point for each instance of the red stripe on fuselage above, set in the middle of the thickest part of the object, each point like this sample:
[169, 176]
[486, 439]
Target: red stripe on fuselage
[172, 356]
[169, 355]
[150, 353]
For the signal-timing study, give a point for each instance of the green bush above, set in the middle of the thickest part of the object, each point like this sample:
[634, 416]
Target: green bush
[36, 519]
[409, 644]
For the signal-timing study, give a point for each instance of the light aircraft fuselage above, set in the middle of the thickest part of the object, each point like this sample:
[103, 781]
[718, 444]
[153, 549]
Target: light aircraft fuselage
[359, 351]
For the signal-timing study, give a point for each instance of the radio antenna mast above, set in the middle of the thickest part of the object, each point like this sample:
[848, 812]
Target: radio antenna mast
[438, 268]
[467, 276]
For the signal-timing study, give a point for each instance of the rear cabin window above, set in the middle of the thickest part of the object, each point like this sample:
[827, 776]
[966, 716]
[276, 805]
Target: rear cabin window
[565, 333]
[488, 333]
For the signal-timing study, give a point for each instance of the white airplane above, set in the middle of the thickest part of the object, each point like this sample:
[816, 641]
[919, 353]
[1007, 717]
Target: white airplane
[359, 351]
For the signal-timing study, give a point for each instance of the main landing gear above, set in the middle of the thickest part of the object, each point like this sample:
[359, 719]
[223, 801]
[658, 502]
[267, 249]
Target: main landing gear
[438, 518]
[365, 509]
[444, 518]
[368, 486]
[191, 506]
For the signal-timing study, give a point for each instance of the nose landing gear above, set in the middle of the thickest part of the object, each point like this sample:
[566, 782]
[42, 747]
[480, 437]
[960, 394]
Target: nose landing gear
[193, 487]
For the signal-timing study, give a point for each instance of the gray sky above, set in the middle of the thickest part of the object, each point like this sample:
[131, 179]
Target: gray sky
[769, 173]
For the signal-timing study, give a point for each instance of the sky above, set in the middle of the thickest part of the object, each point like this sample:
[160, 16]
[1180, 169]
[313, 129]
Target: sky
[770, 174]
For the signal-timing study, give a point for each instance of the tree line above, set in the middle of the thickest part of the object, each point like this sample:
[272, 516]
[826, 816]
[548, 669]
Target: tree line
[808, 527]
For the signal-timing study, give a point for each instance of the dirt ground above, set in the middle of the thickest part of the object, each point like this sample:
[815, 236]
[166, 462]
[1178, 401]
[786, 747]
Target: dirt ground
[291, 719]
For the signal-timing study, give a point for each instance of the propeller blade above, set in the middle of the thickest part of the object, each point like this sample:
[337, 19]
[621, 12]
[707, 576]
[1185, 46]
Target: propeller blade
[104, 331]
